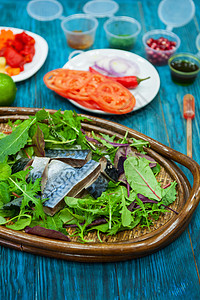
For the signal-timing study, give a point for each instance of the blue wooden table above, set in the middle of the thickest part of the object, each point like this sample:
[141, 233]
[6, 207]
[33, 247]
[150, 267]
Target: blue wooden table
[171, 273]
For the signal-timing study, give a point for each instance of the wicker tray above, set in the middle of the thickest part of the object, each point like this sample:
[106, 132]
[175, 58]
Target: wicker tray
[128, 244]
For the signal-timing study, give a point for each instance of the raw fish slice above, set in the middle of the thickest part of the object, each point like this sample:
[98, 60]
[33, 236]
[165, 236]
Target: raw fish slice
[39, 170]
[98, 187]
[75, 158]
[64, 180]
[21, 164]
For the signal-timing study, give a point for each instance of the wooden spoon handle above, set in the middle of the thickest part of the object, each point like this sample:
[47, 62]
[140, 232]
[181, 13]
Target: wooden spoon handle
[189, 137]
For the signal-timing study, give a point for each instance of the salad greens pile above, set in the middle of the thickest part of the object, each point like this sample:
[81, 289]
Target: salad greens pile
[137, 198]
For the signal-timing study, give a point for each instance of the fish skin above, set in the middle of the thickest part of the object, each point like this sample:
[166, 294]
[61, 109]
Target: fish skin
[65, 180]
[16, 203]
[38, 166]
[75, 158]
[21, 164]
[98, 187]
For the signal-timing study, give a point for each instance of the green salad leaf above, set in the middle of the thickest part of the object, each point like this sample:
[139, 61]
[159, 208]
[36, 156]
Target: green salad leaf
[12, 143]
[141, 178]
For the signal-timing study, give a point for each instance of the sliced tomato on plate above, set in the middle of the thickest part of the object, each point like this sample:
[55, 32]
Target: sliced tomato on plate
[91, 90]
[67, 80]
[74, 95]
[113, 97]
[89, 104]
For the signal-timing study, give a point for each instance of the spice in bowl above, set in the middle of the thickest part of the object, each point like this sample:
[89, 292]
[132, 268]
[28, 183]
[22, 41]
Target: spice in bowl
[79, 41]
[80, 30]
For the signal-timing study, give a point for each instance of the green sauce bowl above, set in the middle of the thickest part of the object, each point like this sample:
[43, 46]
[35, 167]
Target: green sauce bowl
[122, 32]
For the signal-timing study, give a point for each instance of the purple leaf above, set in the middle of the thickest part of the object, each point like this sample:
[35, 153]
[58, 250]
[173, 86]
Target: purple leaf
[89, 139]
[151, 165]
[123, 151]
[116, 144]
[39, 143]
[49, 233]
[94, 223]
[147, 200]
[120, 165]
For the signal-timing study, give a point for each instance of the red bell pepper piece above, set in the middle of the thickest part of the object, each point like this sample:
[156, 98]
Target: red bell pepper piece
[17, 45]
[28, 52]
[25, 38]
[2, 51]
[14, 59]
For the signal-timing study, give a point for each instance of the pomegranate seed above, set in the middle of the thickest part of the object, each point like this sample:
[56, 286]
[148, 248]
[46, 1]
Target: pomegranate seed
[150, 41]
[173, 43]
[163, 46]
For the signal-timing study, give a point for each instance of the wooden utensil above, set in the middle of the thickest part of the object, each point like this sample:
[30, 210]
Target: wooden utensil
[189, 114]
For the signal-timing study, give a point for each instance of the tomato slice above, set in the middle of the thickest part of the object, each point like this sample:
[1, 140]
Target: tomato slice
[50, 77]
[94, 82]
[80, 100]
[113, 97]
[91, 90]
[65, 79]
[89, 104]
[73, 96]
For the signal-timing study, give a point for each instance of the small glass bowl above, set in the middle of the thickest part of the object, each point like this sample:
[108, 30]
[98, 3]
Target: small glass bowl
[80, 30]
[122, 32]
[160, 57]
[188, 65]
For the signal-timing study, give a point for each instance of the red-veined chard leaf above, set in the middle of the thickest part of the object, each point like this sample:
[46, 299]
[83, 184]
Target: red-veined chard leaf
[39, 143]
[141, 178]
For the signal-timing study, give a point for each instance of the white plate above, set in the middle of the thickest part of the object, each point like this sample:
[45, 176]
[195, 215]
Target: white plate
[144, 93]
[41, 51]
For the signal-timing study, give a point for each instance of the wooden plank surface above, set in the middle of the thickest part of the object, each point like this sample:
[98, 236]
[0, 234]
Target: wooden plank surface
[173, 272]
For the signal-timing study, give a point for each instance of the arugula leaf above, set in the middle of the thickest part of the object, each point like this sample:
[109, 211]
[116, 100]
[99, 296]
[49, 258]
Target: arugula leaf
[169, 194]
[54, 222]
[68, 217]
[126, 214]
[141, 178]
[139, 144]
[21, 223]
[105, 141]
[29, 192]
[103, 228]
[4, 193]
[42, 115]
[2, 220]
[5, 171]
[12, 143]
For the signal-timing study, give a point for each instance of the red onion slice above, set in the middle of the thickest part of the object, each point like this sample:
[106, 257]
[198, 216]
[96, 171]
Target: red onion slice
[116, 66]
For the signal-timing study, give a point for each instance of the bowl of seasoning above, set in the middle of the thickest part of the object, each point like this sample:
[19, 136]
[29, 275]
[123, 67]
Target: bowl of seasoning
[122, 32]
[160, 45]
[184, 68]
[79, 30]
